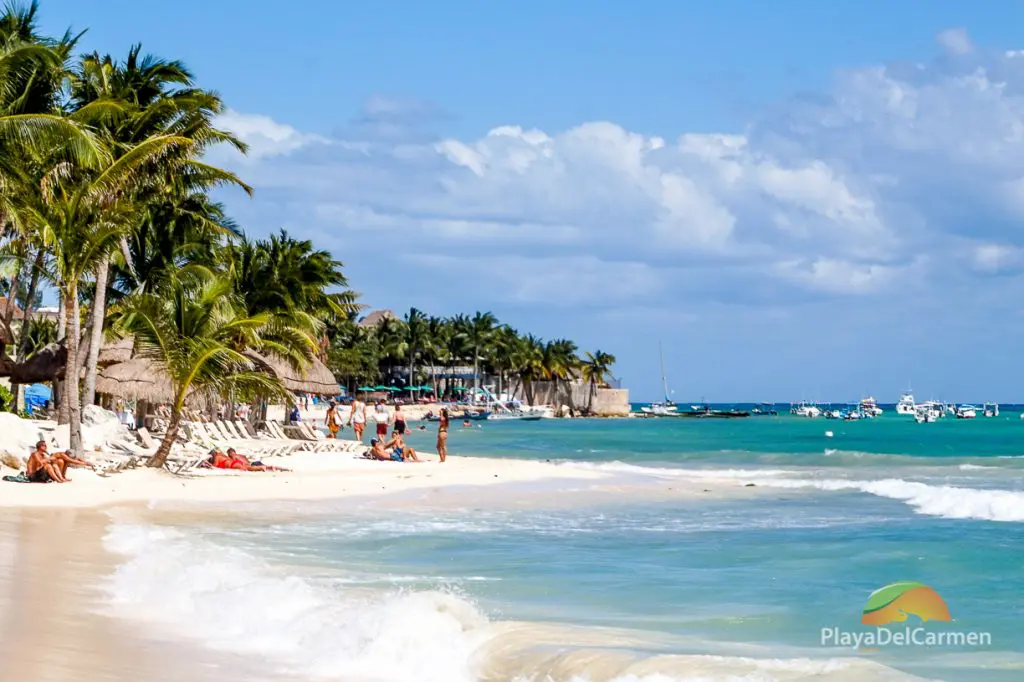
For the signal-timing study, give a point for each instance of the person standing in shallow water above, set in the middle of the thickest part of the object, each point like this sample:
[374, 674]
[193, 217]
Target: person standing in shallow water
[399, 420]
[442, 434]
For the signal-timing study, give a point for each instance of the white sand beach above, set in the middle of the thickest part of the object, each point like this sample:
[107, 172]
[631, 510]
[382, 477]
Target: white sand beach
[314, 476]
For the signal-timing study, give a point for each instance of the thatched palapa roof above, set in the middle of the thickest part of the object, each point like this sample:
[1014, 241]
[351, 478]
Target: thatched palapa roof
[138, 378]
[116, 351]
[375, 318]
[315, 378]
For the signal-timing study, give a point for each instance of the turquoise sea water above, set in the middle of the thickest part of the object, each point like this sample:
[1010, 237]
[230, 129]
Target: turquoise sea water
[642, 585]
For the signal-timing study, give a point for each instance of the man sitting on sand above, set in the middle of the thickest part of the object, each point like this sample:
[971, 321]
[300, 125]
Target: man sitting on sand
[43, 468]
[395, 450]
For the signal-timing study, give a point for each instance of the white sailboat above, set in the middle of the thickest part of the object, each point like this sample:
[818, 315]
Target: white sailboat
[666, 408]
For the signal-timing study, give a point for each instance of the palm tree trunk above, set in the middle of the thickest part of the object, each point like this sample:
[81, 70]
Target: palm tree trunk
[99, 311]
[24, 335]
[476, 370]
[12, 296]
[74, 407]
[159, 457]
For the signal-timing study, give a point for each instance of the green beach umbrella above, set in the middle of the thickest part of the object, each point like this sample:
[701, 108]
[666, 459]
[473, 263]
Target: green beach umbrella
[380, 388]
[393, 389]
[365, 388]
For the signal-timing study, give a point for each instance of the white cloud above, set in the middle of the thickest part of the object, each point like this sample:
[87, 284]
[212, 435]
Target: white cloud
[956, 41]
[878, 183]
[265, 136]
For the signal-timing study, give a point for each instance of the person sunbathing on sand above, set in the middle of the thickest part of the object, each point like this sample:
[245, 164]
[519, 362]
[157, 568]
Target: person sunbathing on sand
[43, 468]
[242, 462]
[233, 460]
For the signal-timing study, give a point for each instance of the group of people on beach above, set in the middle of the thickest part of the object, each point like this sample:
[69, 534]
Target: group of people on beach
[384, 420]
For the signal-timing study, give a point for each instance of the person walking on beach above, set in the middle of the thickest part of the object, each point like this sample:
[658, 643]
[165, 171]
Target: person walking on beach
[381, 416]
[399, 420]
[333, 420]
[357, 418]
[442, 434]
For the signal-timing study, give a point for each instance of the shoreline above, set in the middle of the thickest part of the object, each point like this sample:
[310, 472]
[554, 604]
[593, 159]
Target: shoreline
[324, 477]
[314, 476]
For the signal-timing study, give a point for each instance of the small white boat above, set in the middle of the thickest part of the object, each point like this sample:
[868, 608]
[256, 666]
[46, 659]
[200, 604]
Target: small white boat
[804, 409]
[991, 410]
[927, 413]
[966, 412]
[870, 408]
[906, 405]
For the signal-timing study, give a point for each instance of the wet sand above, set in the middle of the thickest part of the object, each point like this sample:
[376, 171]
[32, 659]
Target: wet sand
[52, 628]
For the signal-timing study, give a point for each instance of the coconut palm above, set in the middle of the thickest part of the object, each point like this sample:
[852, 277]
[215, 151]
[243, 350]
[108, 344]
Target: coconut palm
[595, 369]
[479, 331]
[189, 329]
[127, 103]
[560, 365]
[416, 329]
[392, 337]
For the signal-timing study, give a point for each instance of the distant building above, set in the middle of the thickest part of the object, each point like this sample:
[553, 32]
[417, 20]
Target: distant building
[376, 317]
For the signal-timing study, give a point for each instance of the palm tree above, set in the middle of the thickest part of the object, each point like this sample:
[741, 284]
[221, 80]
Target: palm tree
[596, 369]
[128, 103]
[392, 336]
[528, 361]
[502, 350]
[416, 329]
[438, 336]
[479, 333]
[559, 367]
[189, 329]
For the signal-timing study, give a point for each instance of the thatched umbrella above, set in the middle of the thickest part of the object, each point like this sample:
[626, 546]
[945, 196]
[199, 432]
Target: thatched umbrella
[118, 351]
[138, 378]
[316, 378]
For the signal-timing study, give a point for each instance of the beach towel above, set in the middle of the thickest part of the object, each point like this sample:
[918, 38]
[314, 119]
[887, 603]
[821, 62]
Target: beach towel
[20, 477]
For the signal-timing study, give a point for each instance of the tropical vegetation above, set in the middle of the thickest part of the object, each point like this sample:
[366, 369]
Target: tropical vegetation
[108, 202]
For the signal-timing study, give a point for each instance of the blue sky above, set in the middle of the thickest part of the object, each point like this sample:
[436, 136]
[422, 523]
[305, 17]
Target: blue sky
[800, 199]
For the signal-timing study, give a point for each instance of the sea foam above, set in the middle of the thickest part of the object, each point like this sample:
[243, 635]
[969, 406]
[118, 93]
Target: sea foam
[230, 600]
[949, 502]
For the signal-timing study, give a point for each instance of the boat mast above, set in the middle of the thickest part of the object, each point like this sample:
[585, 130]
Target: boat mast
[664, 379]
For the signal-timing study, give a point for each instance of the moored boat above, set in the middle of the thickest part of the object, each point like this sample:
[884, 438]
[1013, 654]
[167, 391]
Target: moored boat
[906, 404]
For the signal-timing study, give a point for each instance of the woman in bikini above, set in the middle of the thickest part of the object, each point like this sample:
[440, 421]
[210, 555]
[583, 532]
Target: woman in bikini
[442, 434]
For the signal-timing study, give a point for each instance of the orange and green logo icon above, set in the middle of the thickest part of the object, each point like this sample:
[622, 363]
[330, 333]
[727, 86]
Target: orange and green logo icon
[895, 603]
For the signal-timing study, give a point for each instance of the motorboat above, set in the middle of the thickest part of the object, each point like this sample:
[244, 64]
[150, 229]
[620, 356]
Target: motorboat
[804, 409]
[967, 412]
[991, 409]
[765, 409]
[906, 405]
[926, 413]
[870, 408]
[705, 412]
